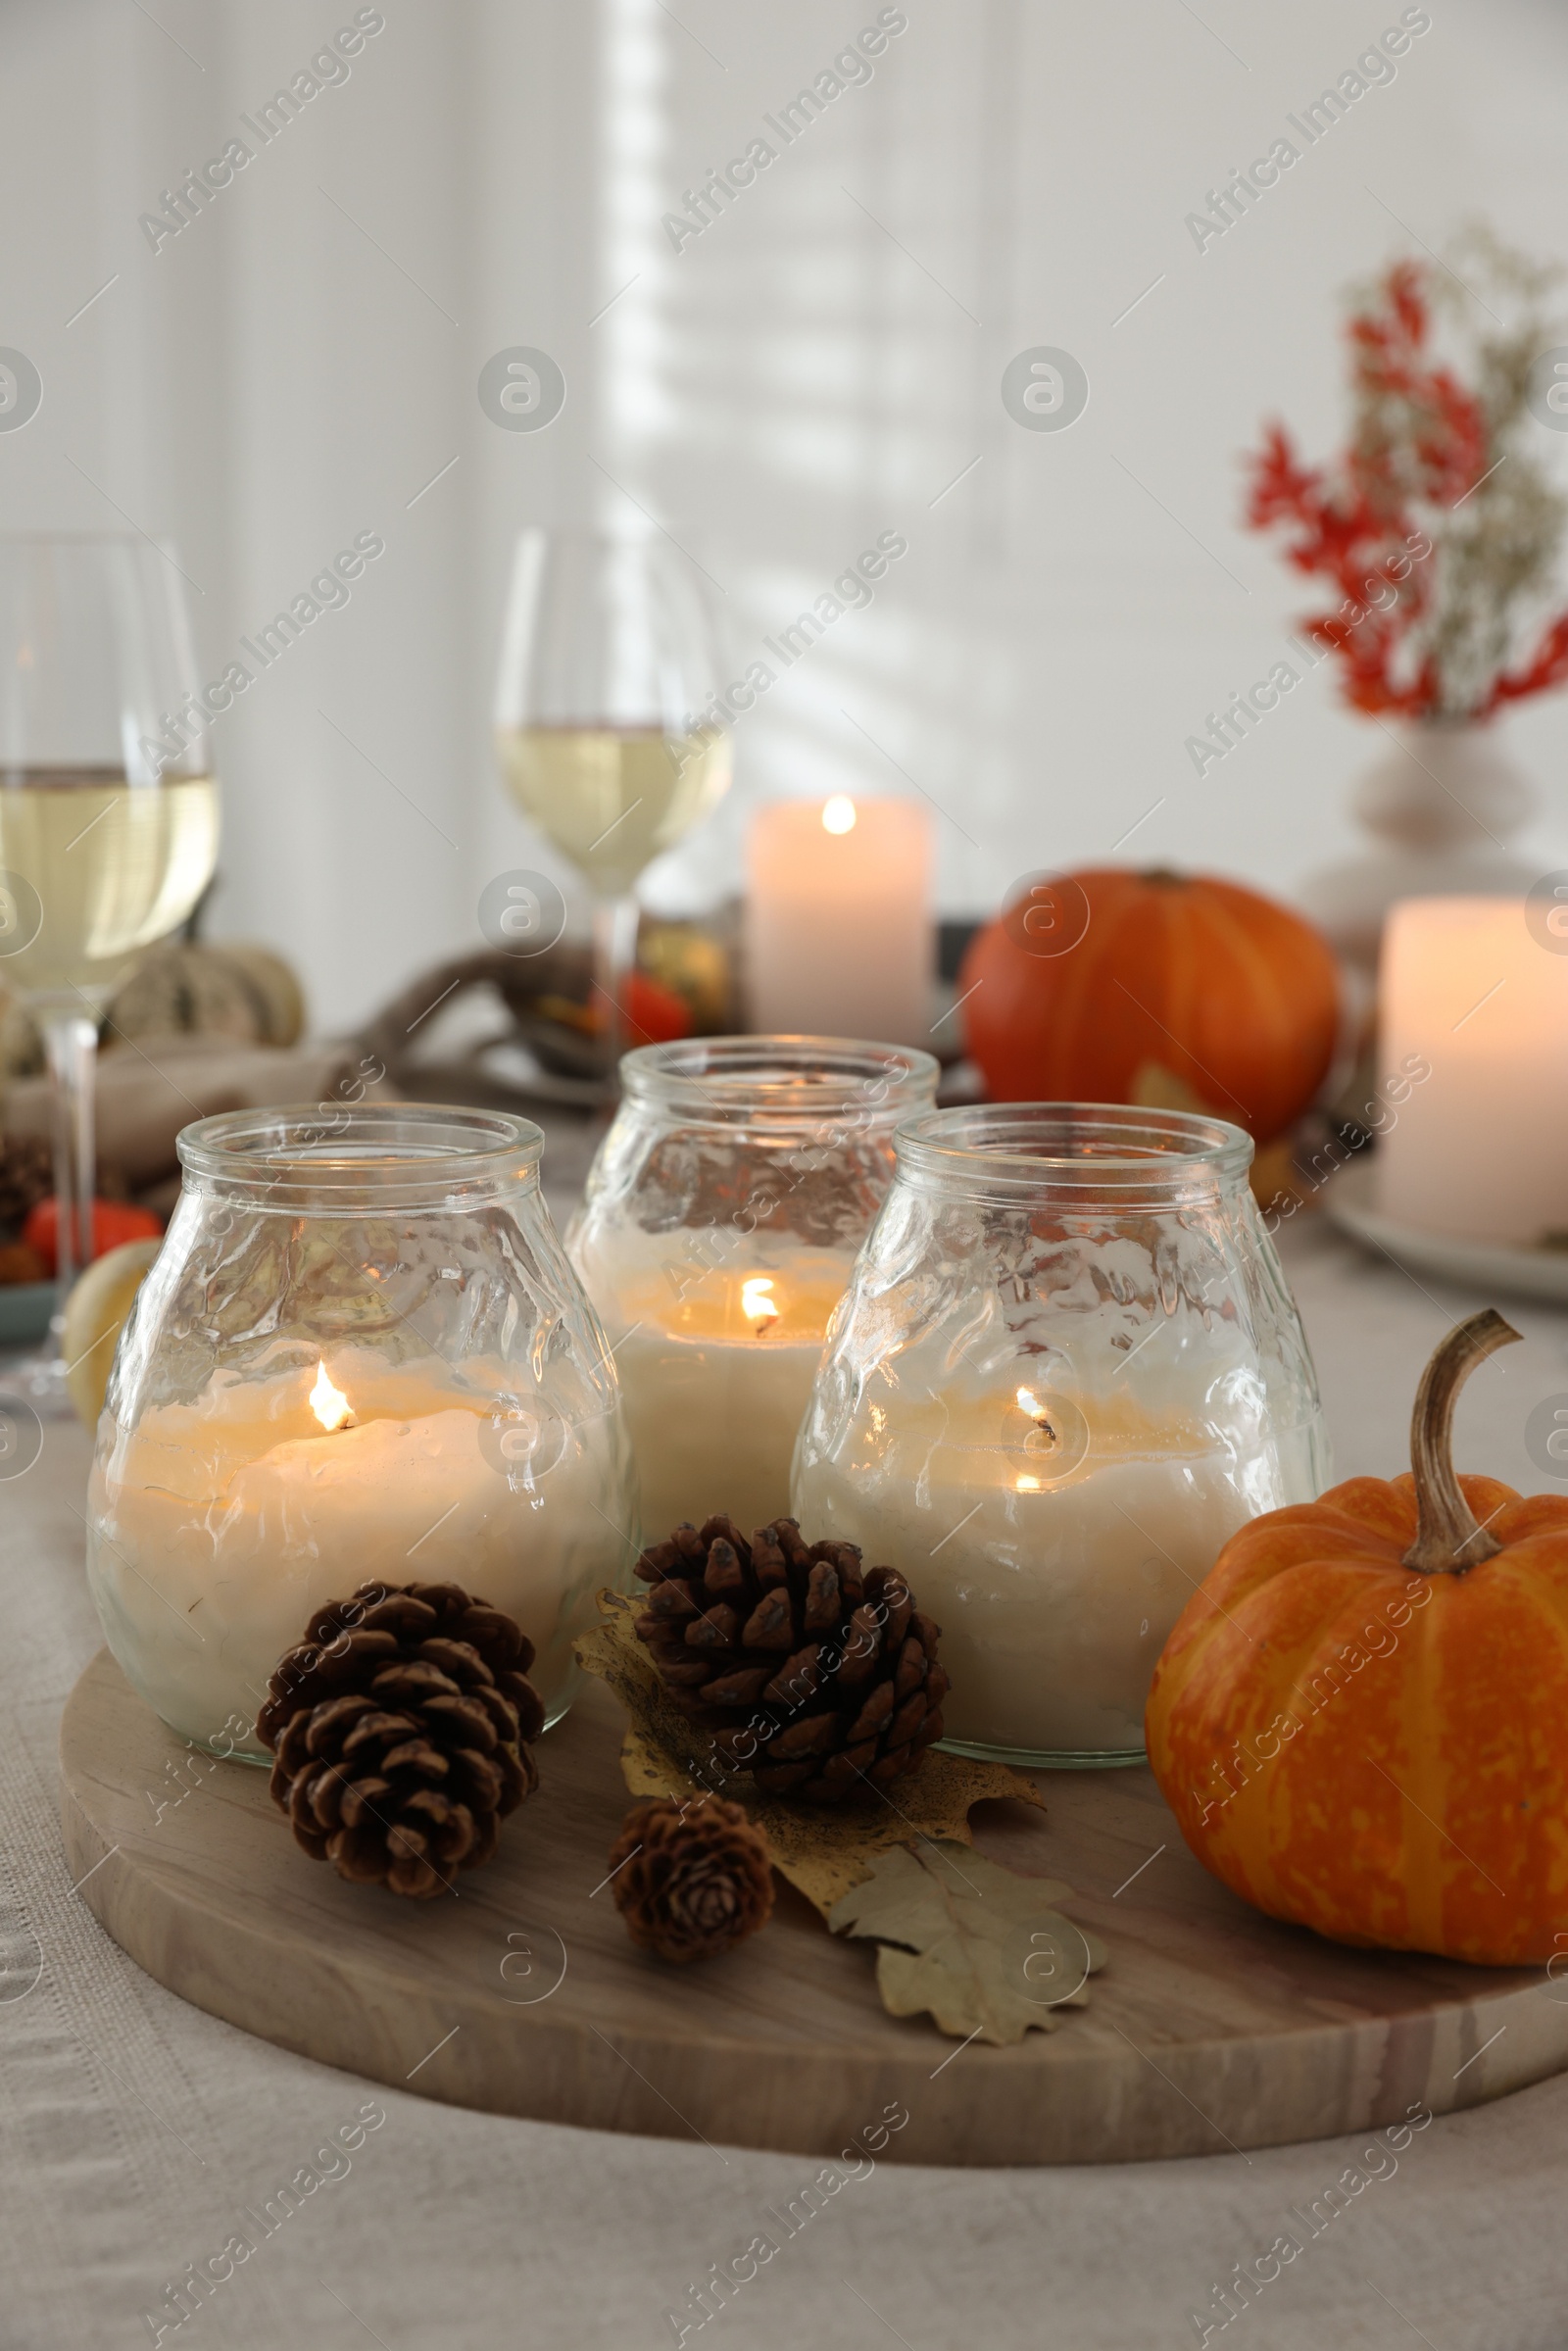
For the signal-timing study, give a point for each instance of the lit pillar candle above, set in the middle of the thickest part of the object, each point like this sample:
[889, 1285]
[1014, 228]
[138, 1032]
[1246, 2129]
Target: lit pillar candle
[218, 1527]
[838, 918]
[1475, 994]
[714, 1384]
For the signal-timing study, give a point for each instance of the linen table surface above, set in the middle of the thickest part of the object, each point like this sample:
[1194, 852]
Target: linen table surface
[135, 2130]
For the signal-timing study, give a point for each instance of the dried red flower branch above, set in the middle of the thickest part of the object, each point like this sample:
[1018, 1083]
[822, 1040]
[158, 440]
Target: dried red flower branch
[1435, 521]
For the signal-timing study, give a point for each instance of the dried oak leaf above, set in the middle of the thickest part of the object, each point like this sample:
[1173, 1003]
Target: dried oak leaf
[823, 1853]
[978, 1946]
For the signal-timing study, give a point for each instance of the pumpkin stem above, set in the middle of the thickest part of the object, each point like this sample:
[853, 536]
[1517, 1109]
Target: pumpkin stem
[1448, 1539]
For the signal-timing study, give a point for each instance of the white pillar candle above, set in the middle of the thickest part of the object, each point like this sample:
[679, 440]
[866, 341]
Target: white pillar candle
[218, 1527]
[1478, 1147]
[838, 918]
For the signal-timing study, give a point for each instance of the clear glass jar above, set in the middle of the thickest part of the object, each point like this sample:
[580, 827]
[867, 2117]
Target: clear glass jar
[1068, 1367]
[721, 1218]
[361, 1355]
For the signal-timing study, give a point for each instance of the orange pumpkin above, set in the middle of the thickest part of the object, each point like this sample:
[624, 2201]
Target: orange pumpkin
[1119, 987]
[1360, 1720]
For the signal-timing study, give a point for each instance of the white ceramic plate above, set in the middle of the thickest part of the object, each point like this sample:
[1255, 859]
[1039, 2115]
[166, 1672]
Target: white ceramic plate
[1539, 1273]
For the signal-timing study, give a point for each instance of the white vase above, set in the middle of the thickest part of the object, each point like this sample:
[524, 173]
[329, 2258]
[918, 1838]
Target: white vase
[1442, 803]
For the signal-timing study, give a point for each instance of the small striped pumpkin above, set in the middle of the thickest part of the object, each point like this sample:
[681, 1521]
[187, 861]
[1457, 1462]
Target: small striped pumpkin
[1360, 1720]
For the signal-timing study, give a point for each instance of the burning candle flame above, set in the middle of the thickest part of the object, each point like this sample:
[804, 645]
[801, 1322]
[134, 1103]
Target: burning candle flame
[1041, 1440]
[838, 813]
[757, 1301]
[329, 1405]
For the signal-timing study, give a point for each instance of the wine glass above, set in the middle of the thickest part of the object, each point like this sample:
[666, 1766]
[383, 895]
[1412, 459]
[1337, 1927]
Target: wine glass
[608, 655]
[107, 821]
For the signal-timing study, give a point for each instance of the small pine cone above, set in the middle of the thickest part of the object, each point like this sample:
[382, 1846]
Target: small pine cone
[400, 1726]
[691, 1879]
[806, 1672]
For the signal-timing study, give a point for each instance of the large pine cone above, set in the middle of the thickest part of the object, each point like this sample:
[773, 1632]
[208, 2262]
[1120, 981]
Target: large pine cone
[811, 1674]
[401, 1728]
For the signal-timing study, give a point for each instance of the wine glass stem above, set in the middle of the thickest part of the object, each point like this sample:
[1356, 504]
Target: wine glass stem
[71, 1041]
[615, 960]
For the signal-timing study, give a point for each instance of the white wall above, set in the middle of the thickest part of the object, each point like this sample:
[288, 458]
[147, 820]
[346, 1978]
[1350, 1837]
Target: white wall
[797, 378]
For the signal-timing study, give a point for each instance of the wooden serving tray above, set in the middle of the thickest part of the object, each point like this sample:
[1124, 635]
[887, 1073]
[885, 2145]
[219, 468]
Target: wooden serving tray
[1211, 2028]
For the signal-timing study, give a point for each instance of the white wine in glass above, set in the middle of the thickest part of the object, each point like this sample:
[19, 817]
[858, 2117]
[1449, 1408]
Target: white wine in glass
[614, 796]
[107, 821]
[116, 866]
[608, 653]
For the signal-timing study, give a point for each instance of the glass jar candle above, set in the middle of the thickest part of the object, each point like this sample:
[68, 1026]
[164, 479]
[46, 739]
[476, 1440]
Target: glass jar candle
[361, 1356]
[721, 1218]
[1068, 1367]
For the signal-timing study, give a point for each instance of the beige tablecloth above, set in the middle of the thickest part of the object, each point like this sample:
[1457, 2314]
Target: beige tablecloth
[133, 2129]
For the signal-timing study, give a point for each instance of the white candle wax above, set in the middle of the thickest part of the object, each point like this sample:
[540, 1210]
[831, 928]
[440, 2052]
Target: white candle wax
[1055, 1599]
[217, 1527]
[838, 919]
[1478, 1148]
[715, 1370]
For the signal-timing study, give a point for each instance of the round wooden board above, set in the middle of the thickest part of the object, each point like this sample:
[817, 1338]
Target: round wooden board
[1211, 2027]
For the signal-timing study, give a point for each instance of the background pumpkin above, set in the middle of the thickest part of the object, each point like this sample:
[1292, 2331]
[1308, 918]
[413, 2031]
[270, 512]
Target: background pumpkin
[185, 987]
[193, 987]
[1180, 989]
[1360, 1720]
